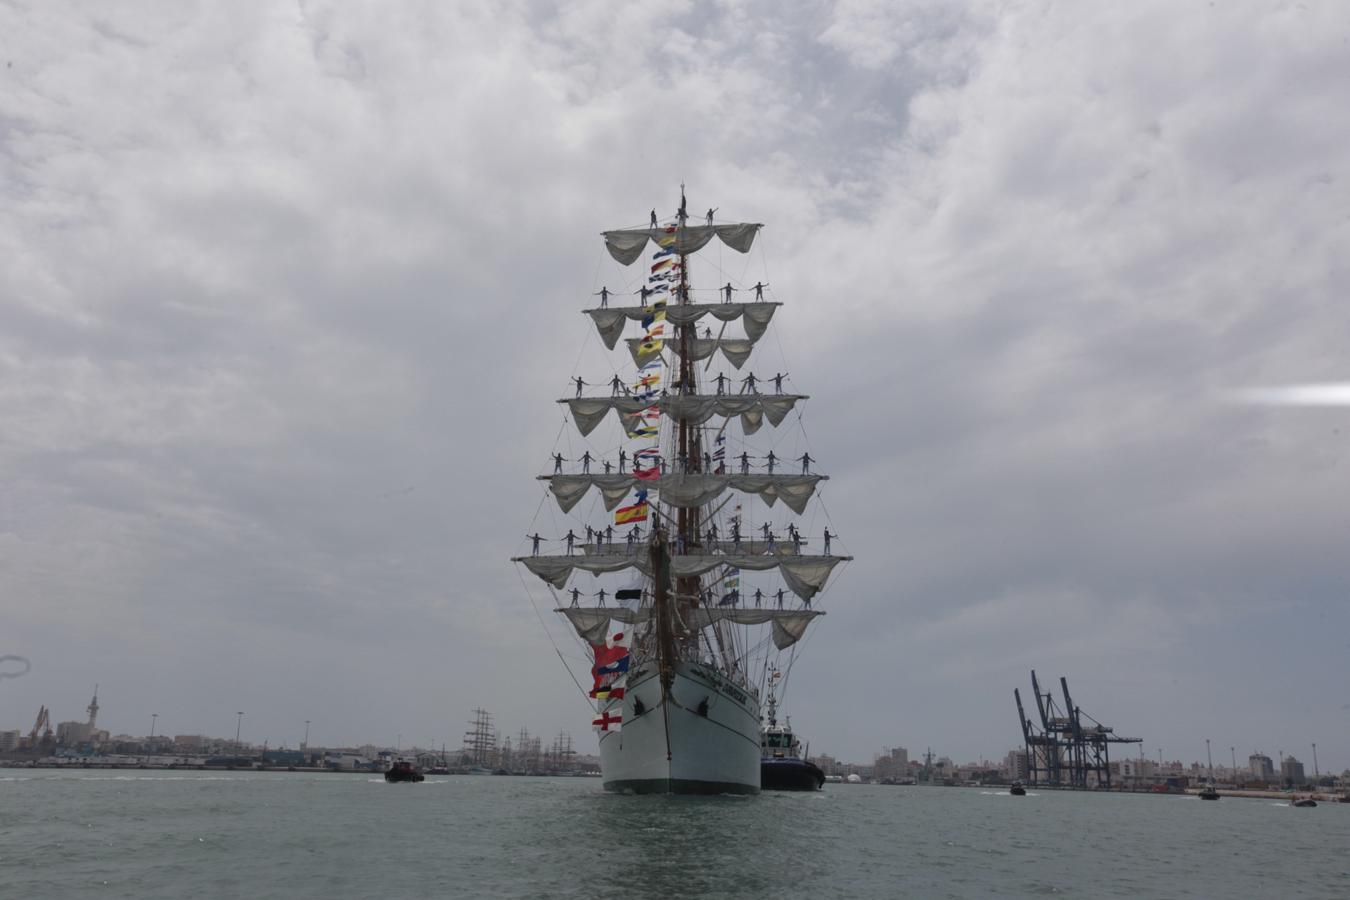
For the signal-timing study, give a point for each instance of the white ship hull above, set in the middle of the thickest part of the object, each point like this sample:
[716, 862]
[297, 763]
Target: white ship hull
[677, 749]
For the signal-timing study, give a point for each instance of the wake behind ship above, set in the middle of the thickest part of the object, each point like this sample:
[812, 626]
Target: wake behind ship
[681, 655]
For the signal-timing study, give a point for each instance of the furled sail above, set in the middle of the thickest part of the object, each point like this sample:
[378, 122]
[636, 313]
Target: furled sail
[736, 350]
[626, 245]
[696, 409]
[747, 547]
[609, 321]
[592, 623]
[804, 575]
[694, 489]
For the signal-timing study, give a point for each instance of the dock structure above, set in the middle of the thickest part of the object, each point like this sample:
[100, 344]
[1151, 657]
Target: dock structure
[1068, 744]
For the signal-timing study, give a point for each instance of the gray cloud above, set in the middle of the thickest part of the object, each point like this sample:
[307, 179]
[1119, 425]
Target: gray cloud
[289, 294]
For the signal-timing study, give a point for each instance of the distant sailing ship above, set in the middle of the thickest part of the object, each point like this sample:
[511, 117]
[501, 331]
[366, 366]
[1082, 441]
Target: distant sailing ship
[680, 659]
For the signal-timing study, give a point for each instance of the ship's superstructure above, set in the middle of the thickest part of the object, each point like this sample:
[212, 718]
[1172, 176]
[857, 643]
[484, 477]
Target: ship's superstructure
[681, 652]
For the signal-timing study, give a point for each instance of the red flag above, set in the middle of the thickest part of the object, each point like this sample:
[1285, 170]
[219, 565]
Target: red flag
[606, 655]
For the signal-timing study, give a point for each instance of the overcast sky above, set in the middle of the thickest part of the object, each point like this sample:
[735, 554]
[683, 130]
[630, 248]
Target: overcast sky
[289, 290]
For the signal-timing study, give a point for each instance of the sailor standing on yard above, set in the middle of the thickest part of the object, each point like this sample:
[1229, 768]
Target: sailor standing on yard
[778, 382]
[806, 463]
[653, 218]
[571, 540]
[603, 294]
[827, 541]
[758, 288]
[535, 538]
[710, 214]
[580, 384]
[726, 292]
[586, 462]
[557, 463]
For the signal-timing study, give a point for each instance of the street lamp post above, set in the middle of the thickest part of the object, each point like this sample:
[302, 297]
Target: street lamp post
[153, 717]
[1209, 759]
[238, 723]
[304, 745]
[1233, 751]
[1317, 776]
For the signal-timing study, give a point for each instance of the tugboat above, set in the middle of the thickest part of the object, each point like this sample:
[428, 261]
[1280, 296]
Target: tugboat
[1017, 789]
[1302, 802]
[403, 771]
[781, 767]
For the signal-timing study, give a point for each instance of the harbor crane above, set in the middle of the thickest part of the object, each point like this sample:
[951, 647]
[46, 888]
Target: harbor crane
[44, 721]
[1068, 745]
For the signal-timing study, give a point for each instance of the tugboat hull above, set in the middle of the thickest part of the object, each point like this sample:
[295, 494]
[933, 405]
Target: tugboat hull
[789, 775]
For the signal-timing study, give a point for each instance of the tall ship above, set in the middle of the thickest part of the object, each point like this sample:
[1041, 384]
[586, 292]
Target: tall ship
[684, 592]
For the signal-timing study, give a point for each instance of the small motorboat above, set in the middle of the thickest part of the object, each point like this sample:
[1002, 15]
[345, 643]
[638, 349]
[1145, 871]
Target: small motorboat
[403, 771]
[1017, 789]
[1303, 802]
[1209, 792]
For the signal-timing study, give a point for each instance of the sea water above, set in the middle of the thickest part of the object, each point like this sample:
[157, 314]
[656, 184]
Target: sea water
[92, 833]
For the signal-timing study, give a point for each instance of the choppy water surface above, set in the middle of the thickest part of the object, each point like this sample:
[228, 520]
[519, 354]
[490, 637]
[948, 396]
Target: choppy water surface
[290, 835]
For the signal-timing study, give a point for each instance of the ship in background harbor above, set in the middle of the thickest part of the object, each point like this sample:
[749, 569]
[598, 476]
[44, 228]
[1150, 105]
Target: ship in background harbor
[682, 653]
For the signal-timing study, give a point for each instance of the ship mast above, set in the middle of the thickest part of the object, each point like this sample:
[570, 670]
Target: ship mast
[687, 588]
[686, 536]
[681, 610]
